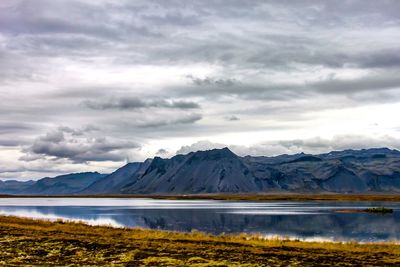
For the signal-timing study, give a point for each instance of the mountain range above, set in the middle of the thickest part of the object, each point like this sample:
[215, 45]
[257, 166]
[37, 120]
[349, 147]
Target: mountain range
[375, 170]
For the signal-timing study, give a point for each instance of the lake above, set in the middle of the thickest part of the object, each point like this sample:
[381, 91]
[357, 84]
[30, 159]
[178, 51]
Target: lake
[308, 220]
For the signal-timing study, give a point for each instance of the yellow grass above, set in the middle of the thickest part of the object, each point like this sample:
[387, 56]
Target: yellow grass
[43, 243]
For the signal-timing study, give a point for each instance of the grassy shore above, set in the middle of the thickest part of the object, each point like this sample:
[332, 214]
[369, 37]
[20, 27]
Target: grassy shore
[250, 197]
[42, 243]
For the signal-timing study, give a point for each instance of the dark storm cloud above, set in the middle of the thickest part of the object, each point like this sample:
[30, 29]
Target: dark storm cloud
[128, 103]
[57, 145]
[185, 119]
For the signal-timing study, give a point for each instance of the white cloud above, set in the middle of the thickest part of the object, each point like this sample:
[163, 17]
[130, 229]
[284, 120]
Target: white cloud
[316, 145]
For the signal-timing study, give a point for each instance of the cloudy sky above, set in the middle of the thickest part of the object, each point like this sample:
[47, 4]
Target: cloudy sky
[87, 85]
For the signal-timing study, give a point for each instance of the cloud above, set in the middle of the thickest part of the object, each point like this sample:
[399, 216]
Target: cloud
[8, 130]
[11, 142]
[64, 143]
[199, 146]
[264, 149]
[232, 118]
[286, 33]
[162, 152]
[212, 81]
[78, 132]
[10, 127]
[185, 119]
[371, 83]
[250, 90]
[136, 103]
[314, 145]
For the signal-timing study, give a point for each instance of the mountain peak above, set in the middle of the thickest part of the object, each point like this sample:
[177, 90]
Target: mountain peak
[214, 154]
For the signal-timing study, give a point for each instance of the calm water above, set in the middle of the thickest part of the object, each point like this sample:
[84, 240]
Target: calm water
[304, 220]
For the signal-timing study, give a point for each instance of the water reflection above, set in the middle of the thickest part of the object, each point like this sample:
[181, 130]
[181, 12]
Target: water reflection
[304, 220]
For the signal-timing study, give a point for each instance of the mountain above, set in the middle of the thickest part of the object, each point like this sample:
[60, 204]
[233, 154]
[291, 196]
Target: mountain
[217, 170]
[349, 171]
[362, 154]
[14, 187]
[114, 182]
[375, 170]
[63, 184]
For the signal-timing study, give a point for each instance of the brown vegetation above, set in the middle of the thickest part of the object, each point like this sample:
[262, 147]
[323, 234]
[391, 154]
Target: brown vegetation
[43, 243]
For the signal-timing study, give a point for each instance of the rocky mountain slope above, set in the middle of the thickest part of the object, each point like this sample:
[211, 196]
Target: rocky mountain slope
[217, 170]
[122, 177]
[373, 170]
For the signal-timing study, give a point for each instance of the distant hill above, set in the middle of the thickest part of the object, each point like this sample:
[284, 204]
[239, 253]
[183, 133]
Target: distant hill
[14, 187]
[375, 170]
[61, 185]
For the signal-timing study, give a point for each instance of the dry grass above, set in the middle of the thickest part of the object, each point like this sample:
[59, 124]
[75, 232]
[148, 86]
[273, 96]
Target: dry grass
[43, 243]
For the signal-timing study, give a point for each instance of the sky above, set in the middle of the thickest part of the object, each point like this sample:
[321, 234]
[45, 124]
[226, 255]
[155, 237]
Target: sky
[88, 85]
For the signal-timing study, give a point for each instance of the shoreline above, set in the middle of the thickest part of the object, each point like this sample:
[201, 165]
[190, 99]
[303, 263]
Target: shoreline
[242, 197]
[40, 242]
[257, 236]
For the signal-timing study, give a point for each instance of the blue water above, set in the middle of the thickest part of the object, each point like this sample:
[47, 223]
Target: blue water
[310, 220]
